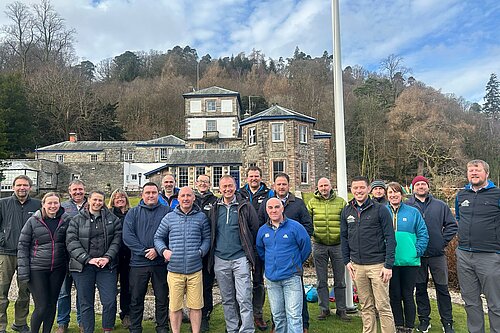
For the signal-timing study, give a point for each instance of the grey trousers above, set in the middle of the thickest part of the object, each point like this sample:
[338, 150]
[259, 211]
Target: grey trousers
[322, 254]
[233, 277]
[479, 273]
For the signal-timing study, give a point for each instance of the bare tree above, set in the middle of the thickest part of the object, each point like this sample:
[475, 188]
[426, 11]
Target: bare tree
[55, 39]
[20, 34]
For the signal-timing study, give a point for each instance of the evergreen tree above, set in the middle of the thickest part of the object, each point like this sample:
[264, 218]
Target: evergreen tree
[491, 107]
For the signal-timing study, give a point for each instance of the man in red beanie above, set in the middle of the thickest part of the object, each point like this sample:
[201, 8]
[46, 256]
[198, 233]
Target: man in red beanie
[442, 227]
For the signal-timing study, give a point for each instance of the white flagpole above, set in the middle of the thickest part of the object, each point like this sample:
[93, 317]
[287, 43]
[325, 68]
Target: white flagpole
[339, 129]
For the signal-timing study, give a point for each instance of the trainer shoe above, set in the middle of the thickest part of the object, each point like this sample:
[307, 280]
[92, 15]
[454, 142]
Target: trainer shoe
[448, 328]
[424, 326]
[21, 328]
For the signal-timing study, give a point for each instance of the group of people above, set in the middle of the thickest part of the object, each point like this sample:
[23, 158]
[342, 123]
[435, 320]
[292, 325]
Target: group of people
[249, 239]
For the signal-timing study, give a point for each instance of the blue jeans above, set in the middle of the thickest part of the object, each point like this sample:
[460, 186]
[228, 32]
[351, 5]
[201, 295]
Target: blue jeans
[64, 303]
[285, 298]
[106, 281]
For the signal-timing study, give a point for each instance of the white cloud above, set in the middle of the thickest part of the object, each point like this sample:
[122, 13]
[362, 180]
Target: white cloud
[441, 40]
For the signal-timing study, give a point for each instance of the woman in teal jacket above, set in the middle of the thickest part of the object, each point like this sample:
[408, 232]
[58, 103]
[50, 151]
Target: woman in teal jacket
[411, 238]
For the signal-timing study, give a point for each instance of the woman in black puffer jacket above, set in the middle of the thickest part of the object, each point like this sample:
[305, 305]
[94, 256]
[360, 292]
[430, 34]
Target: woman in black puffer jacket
[43, 260]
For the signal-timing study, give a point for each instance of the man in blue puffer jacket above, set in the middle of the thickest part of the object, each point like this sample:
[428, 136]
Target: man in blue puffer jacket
[183, 238]
[140, 226]
[284, 245]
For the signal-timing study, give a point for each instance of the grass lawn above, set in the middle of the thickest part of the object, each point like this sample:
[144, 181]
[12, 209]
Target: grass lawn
[331, 325]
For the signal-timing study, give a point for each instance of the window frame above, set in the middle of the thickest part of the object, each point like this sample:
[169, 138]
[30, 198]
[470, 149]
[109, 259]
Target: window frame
[304, 172]
[209, 102]
[252, 136]
[303, 133]
[281, 132]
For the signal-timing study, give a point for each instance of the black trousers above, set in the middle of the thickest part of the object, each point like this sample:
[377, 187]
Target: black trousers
[139, 280]
[45, 287]
[401, 289]
[208, 284]
[124, 277]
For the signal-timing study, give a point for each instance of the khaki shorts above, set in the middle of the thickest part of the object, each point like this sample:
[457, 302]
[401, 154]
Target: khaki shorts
[189, 284]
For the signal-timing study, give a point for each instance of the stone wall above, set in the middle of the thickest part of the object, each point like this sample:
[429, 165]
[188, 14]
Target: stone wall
[97, 176]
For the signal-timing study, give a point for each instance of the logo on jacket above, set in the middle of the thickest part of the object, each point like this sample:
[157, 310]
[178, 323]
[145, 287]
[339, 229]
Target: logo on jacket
[266, 235]
[466, 203]
[351, 219]
[285, 236]
[405, 219]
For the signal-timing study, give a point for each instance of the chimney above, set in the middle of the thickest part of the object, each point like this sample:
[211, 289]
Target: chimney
[73, 137]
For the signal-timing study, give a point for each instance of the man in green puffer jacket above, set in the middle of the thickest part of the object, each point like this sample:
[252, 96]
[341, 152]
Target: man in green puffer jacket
[325, 208]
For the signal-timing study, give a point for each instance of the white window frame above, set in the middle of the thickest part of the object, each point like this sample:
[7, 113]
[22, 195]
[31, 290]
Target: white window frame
[216, 176]
[277, 132]
[128, 156]
[304, 172]
[60, 158]
[183, 176]
[213, 125]
[199, 170]
[164, 153]
[133, 177]
[302, 134]
[252, 136]
[94, 158]
[199, 146]
[208, 103]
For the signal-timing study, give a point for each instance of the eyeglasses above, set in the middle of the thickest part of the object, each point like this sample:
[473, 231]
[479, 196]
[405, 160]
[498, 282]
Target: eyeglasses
[204, 181]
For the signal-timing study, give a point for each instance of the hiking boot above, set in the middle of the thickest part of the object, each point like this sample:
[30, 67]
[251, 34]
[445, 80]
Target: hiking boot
[324, 314]
[205, 325]
[448, 328]
[21, 328]
[343, 315]
[424, 326]
[62, 328]
[126, 321]
[260, 324]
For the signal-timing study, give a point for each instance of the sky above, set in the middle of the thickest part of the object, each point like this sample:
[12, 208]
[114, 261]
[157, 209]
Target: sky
[452, 45]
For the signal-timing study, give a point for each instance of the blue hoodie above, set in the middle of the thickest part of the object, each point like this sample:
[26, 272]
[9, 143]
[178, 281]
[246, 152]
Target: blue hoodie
[283, 250]
[139, 229]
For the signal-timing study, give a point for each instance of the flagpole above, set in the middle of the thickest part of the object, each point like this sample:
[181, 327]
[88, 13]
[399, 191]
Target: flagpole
[338, 99]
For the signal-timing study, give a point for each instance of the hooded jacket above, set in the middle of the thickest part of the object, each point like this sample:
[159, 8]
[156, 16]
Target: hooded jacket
[38, 249]
[173, 201]
[141, 223]
[78, 239]
[205, 201]
[478, 216]
[367, 234]
[440, 222]
[411, 235]
[283, 250]
[248, 227]
[187, 236]
[13, 216]
[326, 217]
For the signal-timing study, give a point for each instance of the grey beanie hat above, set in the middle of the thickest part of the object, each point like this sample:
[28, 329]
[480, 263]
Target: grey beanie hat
[377, 183]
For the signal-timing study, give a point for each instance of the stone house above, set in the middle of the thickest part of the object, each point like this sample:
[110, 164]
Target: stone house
[217, 142]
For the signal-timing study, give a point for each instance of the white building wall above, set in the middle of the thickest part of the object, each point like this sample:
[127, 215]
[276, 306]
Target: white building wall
[225, 126]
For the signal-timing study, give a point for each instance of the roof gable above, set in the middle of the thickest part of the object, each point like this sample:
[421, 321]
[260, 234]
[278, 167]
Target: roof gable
[277, 112]
[211, 91]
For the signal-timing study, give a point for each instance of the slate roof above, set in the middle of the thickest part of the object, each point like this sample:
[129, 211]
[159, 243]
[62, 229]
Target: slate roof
[322, 135]
[212, 91]
[169, 140]
[189, 157]
[277, 112]
[96, 146]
